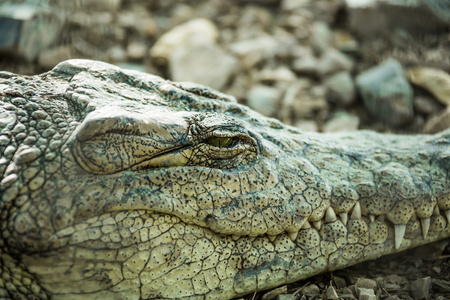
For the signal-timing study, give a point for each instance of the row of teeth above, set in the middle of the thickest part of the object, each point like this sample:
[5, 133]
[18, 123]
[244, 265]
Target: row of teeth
[330, 216]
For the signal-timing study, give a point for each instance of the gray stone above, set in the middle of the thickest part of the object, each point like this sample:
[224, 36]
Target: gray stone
[264, 99]
[366, 294]
[27, 29]
[204, 64]
[420, 288]
[321, 37]
[340, 88]
[366, 283]
[333, 61]
[341, 121]
[306, 64]
[386, 93]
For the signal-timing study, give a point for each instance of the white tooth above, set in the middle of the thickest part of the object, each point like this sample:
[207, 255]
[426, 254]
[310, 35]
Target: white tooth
[356, 214]
[344, 217]
[425, 227]
[306, 225]
[235, 237]
[330, 215]
[272, 237]
[372, 218]
[317, 224]
[436, 211]
[399, 233]
[293, 235]
[447, 213]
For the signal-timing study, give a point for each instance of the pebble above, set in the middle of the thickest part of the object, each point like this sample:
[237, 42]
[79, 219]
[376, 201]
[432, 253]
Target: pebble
[386, 93]
[438, 122]
[321, 37]
[331, 293]
[136, 50]
[333, 61]
[426, 105]
[117, 54]
[310, 290]
[366, 283]
[341, 121]
[198, 31]
[340, 88]
[345, 42]
[205, 64]
[436, 81]
[366, 294]
[306, 64]
[420, 288]
[263, 99]
[339, 282]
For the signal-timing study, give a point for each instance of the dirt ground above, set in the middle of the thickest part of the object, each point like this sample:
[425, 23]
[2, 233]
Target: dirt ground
[275, 47]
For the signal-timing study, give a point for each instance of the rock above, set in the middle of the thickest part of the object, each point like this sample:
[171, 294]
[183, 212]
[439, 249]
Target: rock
[198, 31]
[333, 61]
[373, 17]
[205, 64]
[340, 88]
[306, 64]
[366, 283]
[273, 294]
[426, 105]
[117, 54]
[264, 99]
[438, 123]
[136, 50]
[28, 29]
[321, 37]
[341, 121]
[420, 288]
[345, 42]
[331, 293]
[386, 93]
[339, 282]
[310, 290]
[436, 81]
[307, 125]
[51, 57]
[366, 294]
[279, 74]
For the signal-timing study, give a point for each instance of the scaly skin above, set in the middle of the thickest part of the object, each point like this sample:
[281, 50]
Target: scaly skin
[120, 185]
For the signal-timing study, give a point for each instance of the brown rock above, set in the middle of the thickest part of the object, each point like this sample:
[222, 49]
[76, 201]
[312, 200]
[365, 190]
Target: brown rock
[438, 123]
[436, 81]
[311, 290]
[331, 293]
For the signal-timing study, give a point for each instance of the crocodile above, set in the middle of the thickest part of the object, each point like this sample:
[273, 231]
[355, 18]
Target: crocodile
[118, 184]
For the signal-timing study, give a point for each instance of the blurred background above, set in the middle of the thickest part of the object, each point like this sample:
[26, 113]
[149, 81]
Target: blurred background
[319, 65]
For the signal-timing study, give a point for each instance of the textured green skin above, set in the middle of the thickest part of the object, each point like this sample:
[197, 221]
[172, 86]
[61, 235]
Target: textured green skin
[81, 218]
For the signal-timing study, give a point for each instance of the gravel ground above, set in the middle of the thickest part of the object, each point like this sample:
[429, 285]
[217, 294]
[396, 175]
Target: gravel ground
[304, 62]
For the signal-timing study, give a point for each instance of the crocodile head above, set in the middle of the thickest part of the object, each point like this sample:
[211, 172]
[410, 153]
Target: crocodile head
[120, 184]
